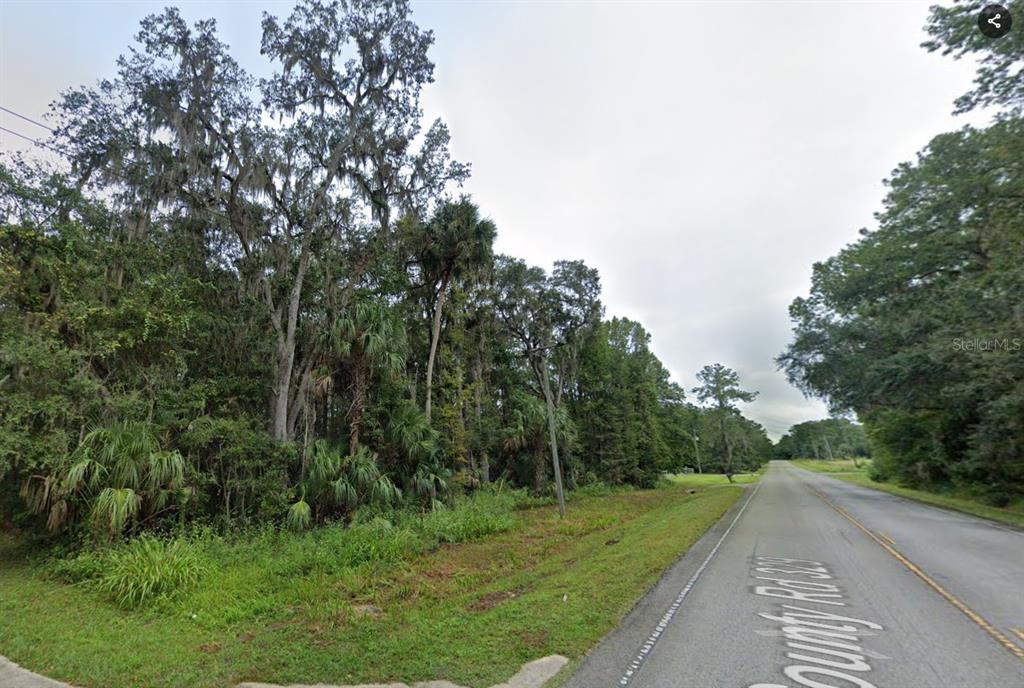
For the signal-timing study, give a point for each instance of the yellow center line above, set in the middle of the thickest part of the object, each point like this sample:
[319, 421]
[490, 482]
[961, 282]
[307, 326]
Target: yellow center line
[1019, 633]
[914, 568]
[887, 538]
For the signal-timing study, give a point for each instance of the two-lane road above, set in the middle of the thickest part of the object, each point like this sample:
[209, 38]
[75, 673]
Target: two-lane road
[811, 581]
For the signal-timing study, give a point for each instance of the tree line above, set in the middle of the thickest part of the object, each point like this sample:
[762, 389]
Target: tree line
[246, 300]
[828, 439]
[918, 326]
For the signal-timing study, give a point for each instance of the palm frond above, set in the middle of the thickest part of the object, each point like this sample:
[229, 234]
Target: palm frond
[114, 508]
[363, 470]
[384, 491]
[83, 474]
[166, 470]
[299, 515]
[344, 493]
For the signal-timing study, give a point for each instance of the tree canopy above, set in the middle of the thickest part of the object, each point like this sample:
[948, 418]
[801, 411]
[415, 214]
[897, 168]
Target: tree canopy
[918, 327]
[245, 300]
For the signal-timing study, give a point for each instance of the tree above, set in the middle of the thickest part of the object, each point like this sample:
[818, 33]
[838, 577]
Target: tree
[370, 339]
[251, 277]
[721, 386]
[454, 242]
[954, 31]
[914, 327]
[309, 197]
[626, 403]
[541, 315]
[831, 437]
[118, 476]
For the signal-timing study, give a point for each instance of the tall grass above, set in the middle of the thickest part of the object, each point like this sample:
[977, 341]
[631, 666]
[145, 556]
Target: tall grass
[136, 572]
[148, 569]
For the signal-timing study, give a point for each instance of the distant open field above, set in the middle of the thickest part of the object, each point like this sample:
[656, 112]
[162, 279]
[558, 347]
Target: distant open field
[711, 479]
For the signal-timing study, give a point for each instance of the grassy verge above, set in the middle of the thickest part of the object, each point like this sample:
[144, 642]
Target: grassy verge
[283, 608]
[837, 466]
[694, 480]
[958, 501]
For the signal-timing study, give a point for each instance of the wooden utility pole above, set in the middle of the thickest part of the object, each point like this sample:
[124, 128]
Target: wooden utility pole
[554, 439]
[696, 449]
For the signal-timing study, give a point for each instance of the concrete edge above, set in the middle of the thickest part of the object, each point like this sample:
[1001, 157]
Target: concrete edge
[14, 676]
[532, 675]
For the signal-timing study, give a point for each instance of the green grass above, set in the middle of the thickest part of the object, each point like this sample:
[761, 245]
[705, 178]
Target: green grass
[693, 480]
[399, 603]
[837, 466]
[951, 499]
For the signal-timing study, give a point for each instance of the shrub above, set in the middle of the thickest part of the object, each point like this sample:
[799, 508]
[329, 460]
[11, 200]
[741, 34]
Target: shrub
[87, 566]
[148, 568]
[470, 519]
[595, 489]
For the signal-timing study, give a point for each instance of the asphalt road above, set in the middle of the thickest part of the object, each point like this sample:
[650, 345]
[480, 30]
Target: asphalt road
[788, 591]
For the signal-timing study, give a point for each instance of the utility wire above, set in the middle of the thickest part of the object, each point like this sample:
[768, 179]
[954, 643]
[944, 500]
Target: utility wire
[30, 140]
[60, 152]
[27, 119]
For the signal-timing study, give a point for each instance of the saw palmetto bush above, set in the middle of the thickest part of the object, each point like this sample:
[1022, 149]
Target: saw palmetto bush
[430, 482]
[117, 478]
[335, 484]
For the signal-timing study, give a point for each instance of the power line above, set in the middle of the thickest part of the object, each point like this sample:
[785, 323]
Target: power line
[27, 119]
[60, 152]
[30, 140]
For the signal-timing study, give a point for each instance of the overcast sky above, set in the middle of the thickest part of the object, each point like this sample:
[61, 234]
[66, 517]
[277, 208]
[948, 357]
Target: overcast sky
[701, 155]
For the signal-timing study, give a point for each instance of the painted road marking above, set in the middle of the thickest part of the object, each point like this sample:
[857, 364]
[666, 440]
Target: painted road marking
[998, 636]
[887, 538]
[653, 638]
[1018, 632]
[827, 644]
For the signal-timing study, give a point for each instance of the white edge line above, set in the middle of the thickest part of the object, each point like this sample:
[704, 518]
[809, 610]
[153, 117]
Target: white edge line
[653, 638]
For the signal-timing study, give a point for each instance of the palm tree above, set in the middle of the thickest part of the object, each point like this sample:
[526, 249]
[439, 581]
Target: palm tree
[341, 483]
[119, 475]
[526, 431]
[373, 341]
[429, 481]
[455, 242]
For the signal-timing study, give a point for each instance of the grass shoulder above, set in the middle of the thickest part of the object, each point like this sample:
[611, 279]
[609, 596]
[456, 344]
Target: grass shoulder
[948, 499]
[859, 466]
[695, 480]
[430, 602]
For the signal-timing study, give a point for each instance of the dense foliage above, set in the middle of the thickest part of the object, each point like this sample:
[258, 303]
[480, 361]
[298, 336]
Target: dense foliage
[919, 326]
[257, 300]
[829, 439]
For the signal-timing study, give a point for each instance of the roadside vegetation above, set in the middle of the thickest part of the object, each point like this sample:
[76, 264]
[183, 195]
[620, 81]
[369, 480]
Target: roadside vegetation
[975, 502]
[466, 593]
[239, 303]
[694, 480]
[851, 466]
[916, 327]
[272, 408]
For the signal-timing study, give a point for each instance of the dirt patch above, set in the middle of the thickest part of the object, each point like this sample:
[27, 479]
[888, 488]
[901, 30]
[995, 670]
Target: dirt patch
[533, 638]
[210, 648]
[492, 600]
[245, 637]
[368, 610]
